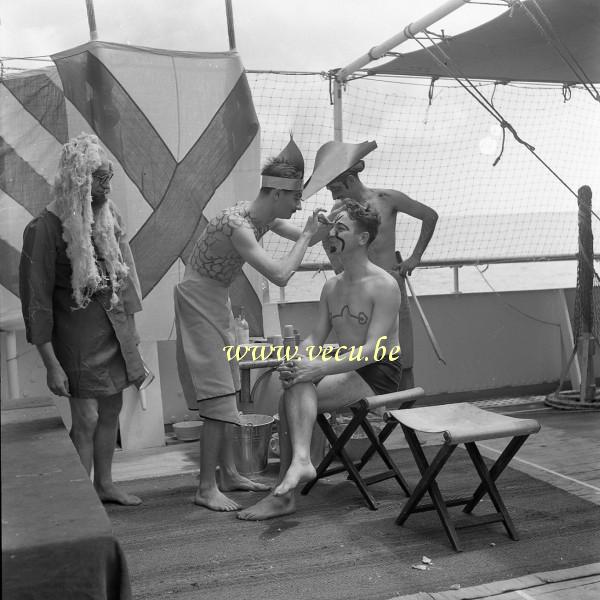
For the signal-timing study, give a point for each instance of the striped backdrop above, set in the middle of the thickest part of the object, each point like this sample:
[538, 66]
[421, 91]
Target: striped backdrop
[182, 133]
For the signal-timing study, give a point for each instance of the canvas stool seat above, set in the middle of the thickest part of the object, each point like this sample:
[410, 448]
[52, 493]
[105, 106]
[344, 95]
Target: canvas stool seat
[461, 423]
[360, 412]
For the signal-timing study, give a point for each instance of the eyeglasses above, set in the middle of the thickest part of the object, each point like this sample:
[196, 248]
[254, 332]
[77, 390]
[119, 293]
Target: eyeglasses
[102, 177]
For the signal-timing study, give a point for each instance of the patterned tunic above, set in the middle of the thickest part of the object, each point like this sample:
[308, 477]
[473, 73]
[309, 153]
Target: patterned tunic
[204, 319]
[214, 255]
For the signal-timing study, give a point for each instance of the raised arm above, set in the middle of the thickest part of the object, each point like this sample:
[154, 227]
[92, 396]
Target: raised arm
[291, 232]
[428, 217]
[276, 271]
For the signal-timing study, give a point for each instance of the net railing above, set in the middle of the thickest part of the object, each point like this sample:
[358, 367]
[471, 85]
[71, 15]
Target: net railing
[440, 151]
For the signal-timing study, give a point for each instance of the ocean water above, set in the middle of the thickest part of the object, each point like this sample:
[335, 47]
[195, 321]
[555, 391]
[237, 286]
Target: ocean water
[306, 286]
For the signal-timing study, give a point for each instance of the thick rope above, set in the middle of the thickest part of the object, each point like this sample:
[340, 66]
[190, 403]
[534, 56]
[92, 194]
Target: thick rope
[548, 32]
[448, 65]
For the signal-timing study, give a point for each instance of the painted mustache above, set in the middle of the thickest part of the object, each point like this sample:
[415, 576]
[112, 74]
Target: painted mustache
[332, 247]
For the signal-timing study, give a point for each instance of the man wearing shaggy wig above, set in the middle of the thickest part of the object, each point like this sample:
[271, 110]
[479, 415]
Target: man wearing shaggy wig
[79, 291]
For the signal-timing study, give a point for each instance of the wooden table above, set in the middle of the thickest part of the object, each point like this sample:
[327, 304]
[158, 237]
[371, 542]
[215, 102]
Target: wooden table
[56, 536]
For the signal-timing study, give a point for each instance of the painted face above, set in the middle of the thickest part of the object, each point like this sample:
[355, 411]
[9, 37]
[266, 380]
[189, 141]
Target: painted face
[101, 182]
[340, 234]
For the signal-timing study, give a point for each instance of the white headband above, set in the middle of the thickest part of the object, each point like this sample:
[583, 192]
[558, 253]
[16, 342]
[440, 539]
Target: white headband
[281, 183]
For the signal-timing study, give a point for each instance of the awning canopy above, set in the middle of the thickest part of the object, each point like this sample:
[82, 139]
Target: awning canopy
[513, 48]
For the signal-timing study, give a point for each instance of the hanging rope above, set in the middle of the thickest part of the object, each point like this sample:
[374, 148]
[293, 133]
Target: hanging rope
[501, 148]
[547, 30]
[446, 63]
[508, 304]
[431, 87]
[330, 78]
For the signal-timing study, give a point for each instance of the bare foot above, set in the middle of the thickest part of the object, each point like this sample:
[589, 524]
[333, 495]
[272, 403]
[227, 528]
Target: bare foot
[230, 482]
[112, 494]
[269, 507]
[297, 473]
[215, 500]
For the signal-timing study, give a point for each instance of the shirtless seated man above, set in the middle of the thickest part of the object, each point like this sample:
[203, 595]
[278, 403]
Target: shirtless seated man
[360, 307]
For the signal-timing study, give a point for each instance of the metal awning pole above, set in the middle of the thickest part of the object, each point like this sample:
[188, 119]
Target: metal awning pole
[407, 33]
[91, 19]
[338, 129]
[230, 27]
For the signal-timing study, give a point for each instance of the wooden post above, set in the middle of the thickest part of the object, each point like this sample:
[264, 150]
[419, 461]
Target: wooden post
[586, 341]
[230, 27]
[587, 396]
[91, 19]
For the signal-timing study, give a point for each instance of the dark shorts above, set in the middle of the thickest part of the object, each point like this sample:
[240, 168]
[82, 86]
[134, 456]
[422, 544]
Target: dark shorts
[97, 349]
[384, 376]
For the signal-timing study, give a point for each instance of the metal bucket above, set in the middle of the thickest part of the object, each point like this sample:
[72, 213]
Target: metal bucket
[251, 443]
[319, 446]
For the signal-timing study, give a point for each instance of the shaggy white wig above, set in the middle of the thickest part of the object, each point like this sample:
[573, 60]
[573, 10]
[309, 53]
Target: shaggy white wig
[80, 157]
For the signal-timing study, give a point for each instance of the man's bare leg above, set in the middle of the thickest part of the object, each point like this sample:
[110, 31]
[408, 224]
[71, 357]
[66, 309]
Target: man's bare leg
[229, 477]
[208, 494]
[105, 440]
[301, 411]
[84, 416]
[275, 506]
[333, 392]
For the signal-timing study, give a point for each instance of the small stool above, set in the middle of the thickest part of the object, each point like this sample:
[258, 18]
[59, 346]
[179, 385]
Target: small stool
[361, 409]
[466, 424]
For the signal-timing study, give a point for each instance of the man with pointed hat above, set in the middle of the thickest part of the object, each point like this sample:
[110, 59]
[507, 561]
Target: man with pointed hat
[79, 291]
[205, 322]
[337, 167]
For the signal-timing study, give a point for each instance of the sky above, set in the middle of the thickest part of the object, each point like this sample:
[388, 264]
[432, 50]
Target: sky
[295, 35]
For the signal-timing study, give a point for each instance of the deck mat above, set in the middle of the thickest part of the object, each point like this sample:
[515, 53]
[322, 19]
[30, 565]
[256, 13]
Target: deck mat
[335, 548]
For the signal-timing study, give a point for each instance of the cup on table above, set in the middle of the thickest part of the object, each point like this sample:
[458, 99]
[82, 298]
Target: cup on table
[275, 340]
[274, 444]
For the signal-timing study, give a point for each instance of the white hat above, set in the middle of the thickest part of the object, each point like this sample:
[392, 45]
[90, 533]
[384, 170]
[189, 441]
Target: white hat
[333, 159]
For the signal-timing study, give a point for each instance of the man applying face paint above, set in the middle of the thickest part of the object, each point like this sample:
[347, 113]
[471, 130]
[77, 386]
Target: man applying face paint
[204, 320]
[360, 308]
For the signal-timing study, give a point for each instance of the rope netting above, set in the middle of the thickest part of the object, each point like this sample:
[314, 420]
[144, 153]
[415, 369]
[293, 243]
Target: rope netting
[438, 146]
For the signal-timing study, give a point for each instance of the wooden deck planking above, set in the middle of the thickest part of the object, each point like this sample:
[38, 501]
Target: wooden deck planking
[565, 453]
[560, 453]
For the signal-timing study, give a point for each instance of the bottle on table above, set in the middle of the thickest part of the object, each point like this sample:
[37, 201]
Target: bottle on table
[242, 330]
[289, 339]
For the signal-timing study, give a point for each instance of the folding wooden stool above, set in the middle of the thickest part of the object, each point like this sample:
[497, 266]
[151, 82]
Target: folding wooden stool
[399, 400]
[466, 424]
